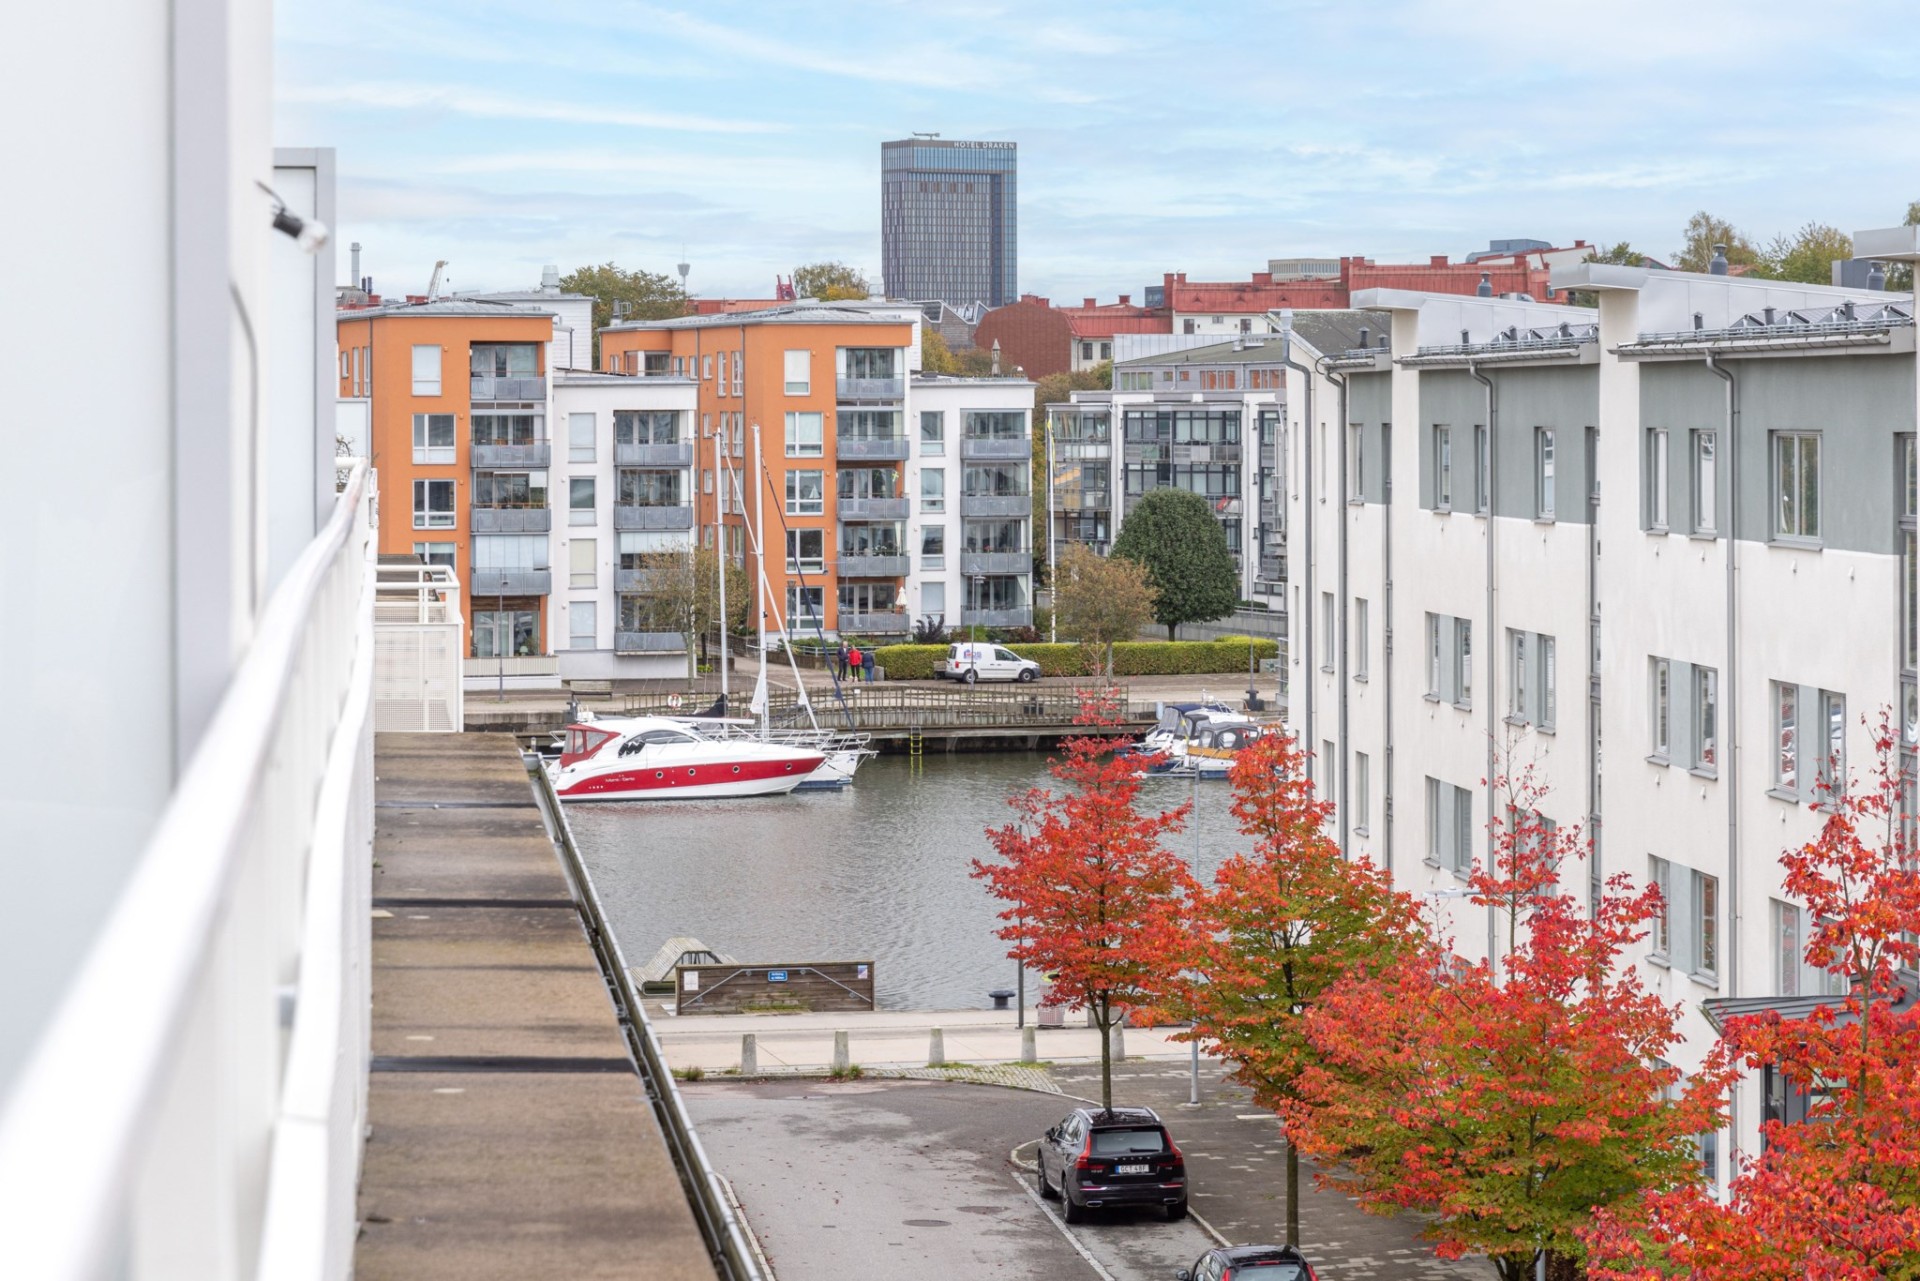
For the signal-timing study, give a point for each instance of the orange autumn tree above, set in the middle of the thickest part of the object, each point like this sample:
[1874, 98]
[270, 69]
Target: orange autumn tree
[1507, 1105]
[1278, 928]
[1094, 899]
[1836, 1197]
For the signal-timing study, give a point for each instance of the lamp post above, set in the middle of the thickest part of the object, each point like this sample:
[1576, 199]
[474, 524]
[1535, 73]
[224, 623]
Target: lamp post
[979, 583]
[1053, 588]
[500, 645]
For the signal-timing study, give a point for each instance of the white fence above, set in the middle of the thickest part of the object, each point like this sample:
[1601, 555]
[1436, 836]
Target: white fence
[196, 1107]
[417, 646]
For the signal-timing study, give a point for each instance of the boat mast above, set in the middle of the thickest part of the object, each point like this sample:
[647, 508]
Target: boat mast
[760, 579]
[720, 541]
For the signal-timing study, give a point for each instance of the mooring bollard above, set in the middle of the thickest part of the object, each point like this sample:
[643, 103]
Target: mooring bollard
[841, 1060]
[749, 1055]
[1028, 1054]
[936, 1048]
[1119, 1044]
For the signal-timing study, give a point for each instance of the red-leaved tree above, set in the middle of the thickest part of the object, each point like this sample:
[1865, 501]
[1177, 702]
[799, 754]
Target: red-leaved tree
[1837, 1196]
[1094, 898]
[1506, 1105]
[1278, 928]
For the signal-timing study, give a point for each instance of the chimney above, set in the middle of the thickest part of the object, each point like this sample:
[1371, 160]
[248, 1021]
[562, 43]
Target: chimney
[1383, 342]
[1438, 260]
[1877, 275]
[996, 358]
[1366, 336]
[1767, 312]
[1088, 304]
[1699, 320]
[1486, 285]
[1263, 278]
[1465, 338]
[1718, 267]
[550, 279]
[1126, 300]
[356, 262]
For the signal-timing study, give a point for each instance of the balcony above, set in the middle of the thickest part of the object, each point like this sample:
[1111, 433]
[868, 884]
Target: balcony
[871, 567]
[985, 447]
[870, 389]
[893, 623]
[649, 643]
[996, 562]
[996, 505]
[489, 583]
[491, 388]
[539, 453]
[510, 520]
[1273, 569]
[634, 580]
[878, 449]
[872, 508]
[670, 518]
[1021, 617]
[677, 454]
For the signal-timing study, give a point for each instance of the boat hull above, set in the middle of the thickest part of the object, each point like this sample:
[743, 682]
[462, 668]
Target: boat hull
[716, 780]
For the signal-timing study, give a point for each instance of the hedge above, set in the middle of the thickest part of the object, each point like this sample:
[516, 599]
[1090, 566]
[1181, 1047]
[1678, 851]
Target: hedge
[1130, 658]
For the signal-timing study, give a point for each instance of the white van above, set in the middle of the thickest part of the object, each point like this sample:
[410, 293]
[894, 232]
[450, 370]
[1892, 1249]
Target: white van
[971, 661]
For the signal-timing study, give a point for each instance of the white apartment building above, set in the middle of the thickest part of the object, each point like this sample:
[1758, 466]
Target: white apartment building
[1743, 452]
[624, 474]
[969, 479]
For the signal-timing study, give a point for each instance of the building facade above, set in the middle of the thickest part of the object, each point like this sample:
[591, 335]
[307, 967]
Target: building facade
[970, 522]
[1744, 453]
[949, 220]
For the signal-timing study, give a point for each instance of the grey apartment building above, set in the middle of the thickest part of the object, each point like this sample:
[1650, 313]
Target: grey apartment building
[949, 221]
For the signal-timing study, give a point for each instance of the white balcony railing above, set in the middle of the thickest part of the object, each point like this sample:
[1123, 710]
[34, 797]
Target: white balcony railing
[196, 1106]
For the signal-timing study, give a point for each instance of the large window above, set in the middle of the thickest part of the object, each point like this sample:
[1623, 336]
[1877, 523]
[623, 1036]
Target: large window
[869, 482]
[646, 427]
[806, 493]
[995, 535]
[1706, 492]
[509, 489]
[508, 429]
[433, 437]
[863, 538]
[506, 554]
[806, 605]
[433, 504]
[998, 425]
[583, 620]
[869, 598]
[640, 487]
[933, 489]
[582, 494]
[1656, 474]
[1543, 465]
[806, 551]
[513, 631]
[1796, 485]
[804, 438]
[505, 360]
[867, 424]
[996, 592]
[799, 372]
[933, 547]
[872, 362]
[436, 552]
[933, 432]
[1008, 480]
[1210, 426]
[580, 438]
[426, 371]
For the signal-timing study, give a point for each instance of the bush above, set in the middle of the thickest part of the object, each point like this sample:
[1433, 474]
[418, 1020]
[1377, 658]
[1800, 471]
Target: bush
[1130, 658]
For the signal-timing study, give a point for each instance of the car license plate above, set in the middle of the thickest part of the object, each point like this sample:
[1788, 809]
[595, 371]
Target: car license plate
[1138, 1167]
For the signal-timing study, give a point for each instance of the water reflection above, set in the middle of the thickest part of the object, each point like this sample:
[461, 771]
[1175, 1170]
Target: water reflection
[879, 871]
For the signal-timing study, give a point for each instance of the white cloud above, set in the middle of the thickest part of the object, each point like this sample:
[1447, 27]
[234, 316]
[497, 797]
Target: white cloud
[392, 96]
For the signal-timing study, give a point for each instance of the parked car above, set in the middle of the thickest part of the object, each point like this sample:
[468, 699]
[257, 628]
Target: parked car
[1124, 1156]
[971, 661]
[1249, 1263]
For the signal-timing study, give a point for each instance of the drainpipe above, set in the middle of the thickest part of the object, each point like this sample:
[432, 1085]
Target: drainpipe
[1730, 703]
[1305, 733]
[1490, 647]
[1342, 817]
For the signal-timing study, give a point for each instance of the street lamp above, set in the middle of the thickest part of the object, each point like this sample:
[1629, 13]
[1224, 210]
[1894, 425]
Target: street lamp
[500, 645]
[979, 595]
[1053, 587]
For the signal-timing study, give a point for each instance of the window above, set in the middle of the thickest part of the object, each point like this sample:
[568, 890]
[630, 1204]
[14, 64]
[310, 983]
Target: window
[1362, 802]
[581, 497]
[1706, 718]
[1462, 831]
[583, 560]
[1786, 737]
[497, 489]
[1462, 662]
[1518, 694]
[508, 429]
[1788, 950]
[799, 373]
[933, 489]
[1833, 750]
[806, 493]
[994, 536]
[1329, 631]
[1002, 425]
[1433, 655]
[1355, 488]
[1186, 326]
[1660, 871]
[933, 599]
[1706, 924]
[706, 367]
[1543, 497]
[642, 488]
[580, 438]
[426, 371]
[1548, 703]
[739, 368]
[806, 550]
[1656, 473]
[1442, 468]
[504, 360]
[433, 436]
[804, 436]
[433, 504]
[1662, 686]
[1433, 822]
[1086, 351]
[1359, 639]
[512, 631]
[1325, 762]
[933, 547]
[507, 554]
[435, 553]
[805, 605]
[1796, 485]
[646, 427]
[1706, 491]
[1482, 494]
[933, 432]
[583, 620]
[1106, 351]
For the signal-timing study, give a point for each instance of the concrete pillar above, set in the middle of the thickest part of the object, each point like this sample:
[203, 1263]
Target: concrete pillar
[749, 1055]
[841, 1060]
[936, 1047]
[1028, 1053]
[1119, 1044]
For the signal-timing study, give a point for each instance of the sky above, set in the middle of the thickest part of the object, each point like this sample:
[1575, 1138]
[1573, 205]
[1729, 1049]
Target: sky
[1153, 137]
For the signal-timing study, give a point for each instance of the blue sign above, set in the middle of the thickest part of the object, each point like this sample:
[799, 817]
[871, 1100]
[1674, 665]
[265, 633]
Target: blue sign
[776, 976]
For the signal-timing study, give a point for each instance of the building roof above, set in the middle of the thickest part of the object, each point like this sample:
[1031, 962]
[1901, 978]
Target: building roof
[793, 313]
[446, 308]
[525, 295]
[965, 380]
[1334, 331]
[1254, 349]
[595, 378]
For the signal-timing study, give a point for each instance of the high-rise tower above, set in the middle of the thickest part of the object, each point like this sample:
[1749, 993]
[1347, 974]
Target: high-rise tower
[949, 221]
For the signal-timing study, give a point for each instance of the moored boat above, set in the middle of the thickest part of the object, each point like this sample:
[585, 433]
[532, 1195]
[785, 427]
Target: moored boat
[652, 758]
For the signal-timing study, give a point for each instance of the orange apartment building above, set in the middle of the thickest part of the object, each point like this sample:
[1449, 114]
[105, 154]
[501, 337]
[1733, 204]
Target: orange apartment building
[457, 428]
[828, 386]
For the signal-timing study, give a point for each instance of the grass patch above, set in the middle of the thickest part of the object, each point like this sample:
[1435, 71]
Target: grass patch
[851, 1072]
[694, 1073]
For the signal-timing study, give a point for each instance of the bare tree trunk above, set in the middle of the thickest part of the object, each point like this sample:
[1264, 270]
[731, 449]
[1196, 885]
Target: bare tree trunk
[1105, 1020]
[1293, 1192]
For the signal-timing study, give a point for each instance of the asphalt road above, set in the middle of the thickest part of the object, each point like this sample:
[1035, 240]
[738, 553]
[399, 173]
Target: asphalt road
[885, 1178]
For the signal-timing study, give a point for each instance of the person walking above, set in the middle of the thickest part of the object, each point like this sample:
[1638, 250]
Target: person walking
[840, 660]
[855, 660]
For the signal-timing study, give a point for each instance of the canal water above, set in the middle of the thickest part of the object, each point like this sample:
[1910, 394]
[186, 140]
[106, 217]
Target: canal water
[876, 872]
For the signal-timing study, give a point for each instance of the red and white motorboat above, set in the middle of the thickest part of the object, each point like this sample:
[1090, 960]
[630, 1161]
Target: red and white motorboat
[653, 758]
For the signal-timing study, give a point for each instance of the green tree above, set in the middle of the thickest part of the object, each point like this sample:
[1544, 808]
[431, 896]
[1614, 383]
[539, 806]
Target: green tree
[829, 281]
[648, 295]
[1704, 231]
[1809, 254]
[682, 594]
[935, 356]
[1900, 274]
[1173, 532]
[1098, 600]
[1621, 254]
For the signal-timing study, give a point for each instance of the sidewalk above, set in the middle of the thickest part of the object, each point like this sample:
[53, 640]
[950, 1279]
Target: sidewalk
[889, 1039]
